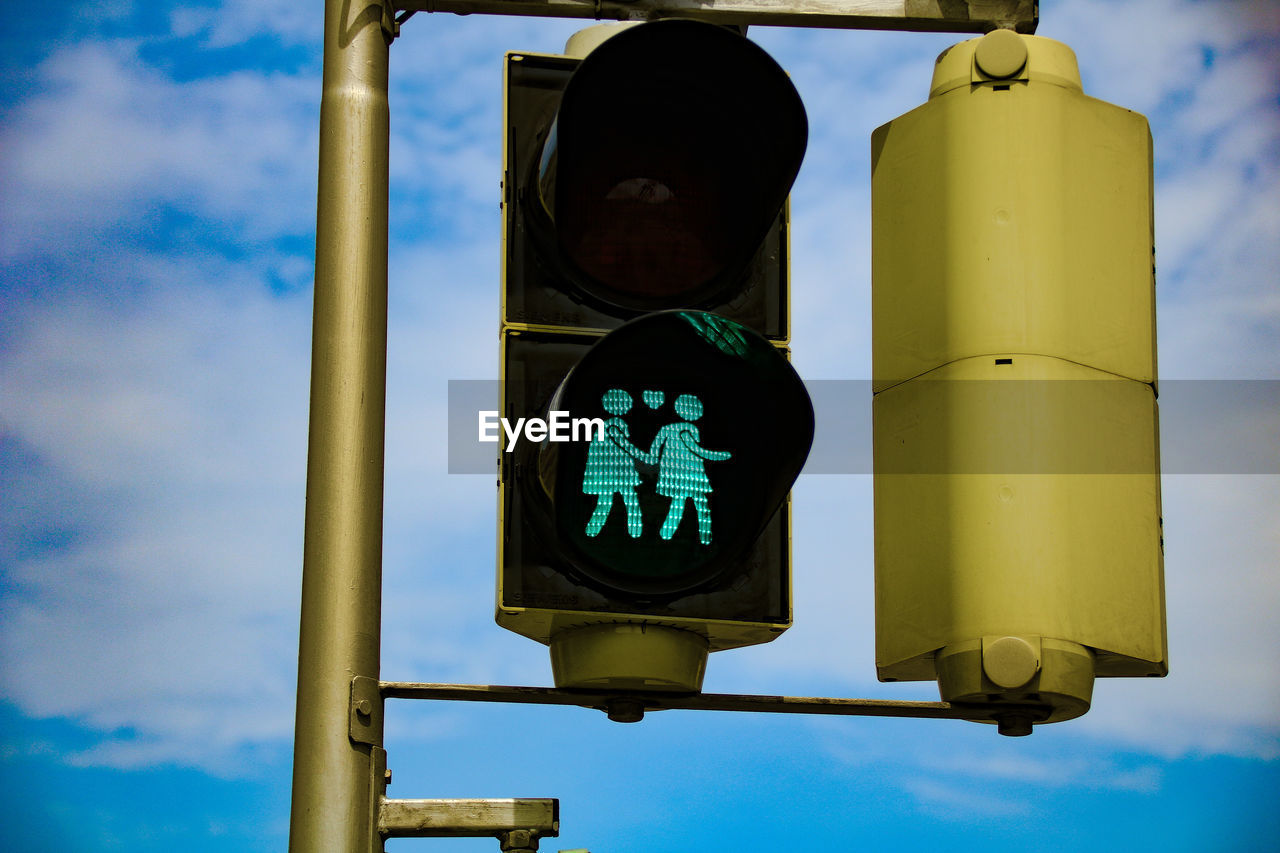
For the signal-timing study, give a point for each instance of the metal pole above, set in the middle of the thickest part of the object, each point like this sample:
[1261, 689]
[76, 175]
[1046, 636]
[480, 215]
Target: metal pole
[333, 788]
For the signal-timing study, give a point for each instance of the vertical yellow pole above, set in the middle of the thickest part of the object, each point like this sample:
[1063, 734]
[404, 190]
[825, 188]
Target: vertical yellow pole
[342, 560]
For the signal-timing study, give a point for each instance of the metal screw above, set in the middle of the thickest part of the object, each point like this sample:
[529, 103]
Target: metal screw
[1014, 725]
[518, 841]
[625, 710]
[364, 707]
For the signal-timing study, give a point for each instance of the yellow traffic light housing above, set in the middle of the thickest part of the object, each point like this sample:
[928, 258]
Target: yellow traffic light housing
[1017, 494]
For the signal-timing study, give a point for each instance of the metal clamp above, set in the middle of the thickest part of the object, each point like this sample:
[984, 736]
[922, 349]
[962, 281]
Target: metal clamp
[518, 824]
[365, 719]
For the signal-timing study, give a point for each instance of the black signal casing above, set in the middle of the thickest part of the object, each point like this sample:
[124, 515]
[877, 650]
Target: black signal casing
[541, 290]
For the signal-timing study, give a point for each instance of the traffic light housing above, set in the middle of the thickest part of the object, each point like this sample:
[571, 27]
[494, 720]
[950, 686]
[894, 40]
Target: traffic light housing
[713, 132]
[1018, 549]
[644, 288]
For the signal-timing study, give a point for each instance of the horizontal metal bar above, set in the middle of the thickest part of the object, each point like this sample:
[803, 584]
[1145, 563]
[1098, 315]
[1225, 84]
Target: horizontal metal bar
[458, 818]
[952, 16]
[612, 701]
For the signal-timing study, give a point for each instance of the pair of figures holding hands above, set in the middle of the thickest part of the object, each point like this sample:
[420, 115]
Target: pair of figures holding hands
[676, 451]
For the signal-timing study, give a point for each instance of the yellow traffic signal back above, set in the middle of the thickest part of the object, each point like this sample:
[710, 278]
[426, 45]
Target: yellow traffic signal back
[1017, 494]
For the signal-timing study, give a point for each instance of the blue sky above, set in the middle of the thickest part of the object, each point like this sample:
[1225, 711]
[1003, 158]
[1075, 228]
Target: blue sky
[157, 194]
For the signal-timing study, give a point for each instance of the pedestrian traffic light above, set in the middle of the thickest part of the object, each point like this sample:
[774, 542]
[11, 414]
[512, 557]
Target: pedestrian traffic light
[1017, 493]
[645, 304]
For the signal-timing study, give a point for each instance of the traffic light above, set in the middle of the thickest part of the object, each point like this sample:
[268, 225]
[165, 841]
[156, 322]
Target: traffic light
[644, 300]
[1017, 493]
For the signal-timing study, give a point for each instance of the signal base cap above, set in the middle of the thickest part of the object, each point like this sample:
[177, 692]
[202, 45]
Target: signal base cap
[1056, 675]
[629, 656]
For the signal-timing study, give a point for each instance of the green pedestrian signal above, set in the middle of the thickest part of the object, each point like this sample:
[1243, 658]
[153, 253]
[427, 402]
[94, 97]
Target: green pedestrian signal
[670, 496]
[644, 291]
[682, 474]
[611, 466]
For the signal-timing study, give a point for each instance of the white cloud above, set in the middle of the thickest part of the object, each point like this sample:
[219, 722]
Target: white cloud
[997, 781]
[1047, 773]
[1141, 53]
[175, 421]
[177, 426]
[1222, 695]
[957, 801]
[1206, 75]
[234, 22]
[108, 141]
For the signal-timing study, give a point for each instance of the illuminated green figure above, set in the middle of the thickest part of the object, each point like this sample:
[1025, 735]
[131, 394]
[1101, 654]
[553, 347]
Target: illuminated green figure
[611, 467]
[682, 474]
